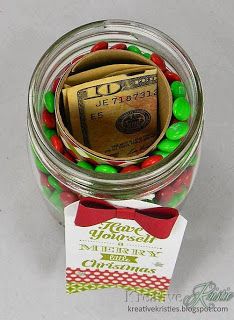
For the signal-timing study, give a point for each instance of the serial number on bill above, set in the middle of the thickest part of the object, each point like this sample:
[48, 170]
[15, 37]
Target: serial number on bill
[128, 98]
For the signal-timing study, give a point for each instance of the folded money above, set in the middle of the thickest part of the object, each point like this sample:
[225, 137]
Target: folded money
[117, 115]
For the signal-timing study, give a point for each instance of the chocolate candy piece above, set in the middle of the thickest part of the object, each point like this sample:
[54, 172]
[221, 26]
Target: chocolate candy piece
[193, 161]
[105, 168]
[177, 130]
[129, 169]
[177, 184]
[40, 166]
[48, 119]
[49, 132]
[55, 199]
[134, 49]
[178, 89]
[174, 201]
[187, 176]
[150, 161]
[171, 76]
[85, 165]
[55, 84]
[102, 45]
[164, 195]
[146, 55]
[49, 101]
[167, 145]
[54, 183]
[158, 61]
[181, 109]
[47, 192]
[68, 156]
[68, 198]
[57, 143]
[119, 46]
[44, 181]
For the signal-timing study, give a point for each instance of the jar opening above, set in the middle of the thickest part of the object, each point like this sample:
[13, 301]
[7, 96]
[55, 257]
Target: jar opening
[79, 41]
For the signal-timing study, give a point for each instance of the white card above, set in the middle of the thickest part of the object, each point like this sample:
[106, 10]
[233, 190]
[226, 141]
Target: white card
[120, 253]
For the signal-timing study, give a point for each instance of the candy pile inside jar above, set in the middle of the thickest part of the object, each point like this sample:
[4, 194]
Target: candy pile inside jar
[174, 130]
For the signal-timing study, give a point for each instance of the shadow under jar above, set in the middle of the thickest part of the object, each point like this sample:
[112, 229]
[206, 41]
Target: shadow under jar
[166, 183]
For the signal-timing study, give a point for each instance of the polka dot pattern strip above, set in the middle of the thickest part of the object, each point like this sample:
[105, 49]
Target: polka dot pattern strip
[115, 278]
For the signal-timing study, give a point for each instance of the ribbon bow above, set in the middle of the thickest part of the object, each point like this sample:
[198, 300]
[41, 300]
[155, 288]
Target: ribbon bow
[157, 221]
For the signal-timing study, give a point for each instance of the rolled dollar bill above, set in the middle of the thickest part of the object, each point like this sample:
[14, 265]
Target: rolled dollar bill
[91, 138]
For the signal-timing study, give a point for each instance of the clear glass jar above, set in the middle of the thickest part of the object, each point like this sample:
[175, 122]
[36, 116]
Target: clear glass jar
[166, 183]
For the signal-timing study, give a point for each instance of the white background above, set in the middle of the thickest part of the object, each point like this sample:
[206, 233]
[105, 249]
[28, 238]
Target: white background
[32, 257]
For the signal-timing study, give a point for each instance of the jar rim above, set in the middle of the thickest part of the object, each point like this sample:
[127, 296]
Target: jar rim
[70, 169]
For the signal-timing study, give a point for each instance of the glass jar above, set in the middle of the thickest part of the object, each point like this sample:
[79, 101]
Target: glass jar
[167, 182]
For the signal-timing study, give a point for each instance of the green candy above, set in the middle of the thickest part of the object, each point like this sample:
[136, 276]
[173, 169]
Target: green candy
[193, 161]
[40, 166]
[49, 133]
[134, 49]
[146, 55]
[167, 145]
[174, 201]
[33, 151]
[177, 130]
[181, 109]
[178, 198]
[105, 168]
[178, 89]
[47, 192]
[49, 101]
[54, 183]
[161, 153]
[85, 165]
[55, 199]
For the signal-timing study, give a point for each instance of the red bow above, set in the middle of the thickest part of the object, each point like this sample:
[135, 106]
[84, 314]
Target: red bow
[157, 221]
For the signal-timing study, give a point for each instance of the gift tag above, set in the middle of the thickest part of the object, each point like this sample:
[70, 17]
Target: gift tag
[127, 244]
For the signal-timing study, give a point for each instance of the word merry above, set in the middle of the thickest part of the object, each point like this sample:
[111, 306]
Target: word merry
[121, 250]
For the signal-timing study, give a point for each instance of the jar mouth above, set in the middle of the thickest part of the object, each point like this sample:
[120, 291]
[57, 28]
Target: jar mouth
[118, 29]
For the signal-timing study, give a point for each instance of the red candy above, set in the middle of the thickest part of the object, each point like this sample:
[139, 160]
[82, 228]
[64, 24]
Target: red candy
[63, 187]
[184, 180]
[158, 61]
[171, 76]
[99, 46]
[72, 153]
[57, 143]
[44, 181]
[68, 198]
[151, 161]
[119, 46]
[55, 84]
[68, 156]
[165, 195]
[187, 176]
[177, 185]
[130, 169]
[48, 119]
